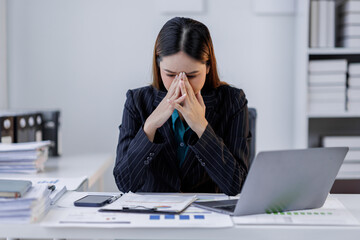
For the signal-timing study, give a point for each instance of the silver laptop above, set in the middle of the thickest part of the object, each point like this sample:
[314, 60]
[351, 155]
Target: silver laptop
[284, 180]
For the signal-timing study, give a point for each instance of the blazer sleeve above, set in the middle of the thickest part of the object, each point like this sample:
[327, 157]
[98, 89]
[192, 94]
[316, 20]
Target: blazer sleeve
[134, 150]
[226, 158]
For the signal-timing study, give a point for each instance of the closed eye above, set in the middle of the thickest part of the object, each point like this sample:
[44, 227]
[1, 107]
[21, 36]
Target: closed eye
[172, 75]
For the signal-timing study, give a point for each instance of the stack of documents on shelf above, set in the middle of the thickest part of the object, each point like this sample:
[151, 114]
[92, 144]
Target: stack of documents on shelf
[30, 208]
[353, 104]
[23, 157]
[322, 23]
[349, 23]
[353, 142]
[332, 213]
[327, 86]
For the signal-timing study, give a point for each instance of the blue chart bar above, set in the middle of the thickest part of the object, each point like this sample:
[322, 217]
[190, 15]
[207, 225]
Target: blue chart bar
[154, 217]
[173, 217]
[184, 217]
[169, 216]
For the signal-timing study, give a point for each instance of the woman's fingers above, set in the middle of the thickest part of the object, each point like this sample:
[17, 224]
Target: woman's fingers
[173, 85]
[200, 99]
[180, 108]
[182, 87]
[180, 99]
[177, 92]
[188, 87]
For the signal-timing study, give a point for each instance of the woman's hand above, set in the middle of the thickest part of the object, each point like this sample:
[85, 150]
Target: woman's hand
[164, 110]
[192, 107]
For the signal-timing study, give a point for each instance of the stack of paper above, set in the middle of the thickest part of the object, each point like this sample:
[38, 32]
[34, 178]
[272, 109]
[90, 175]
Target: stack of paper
[23, 157]
[322, 23]
[354, 88]
[29, 208]
[353, 142]
[349, 22]
[327, 86]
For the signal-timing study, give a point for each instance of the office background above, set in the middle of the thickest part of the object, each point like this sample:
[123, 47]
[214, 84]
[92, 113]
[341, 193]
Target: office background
[82, 56]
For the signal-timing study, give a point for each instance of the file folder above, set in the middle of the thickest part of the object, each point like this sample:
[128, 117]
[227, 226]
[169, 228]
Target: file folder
[21, 127]
[38, 127]
[35, 128]
[6, 128]
[31, 117]
[51, 130]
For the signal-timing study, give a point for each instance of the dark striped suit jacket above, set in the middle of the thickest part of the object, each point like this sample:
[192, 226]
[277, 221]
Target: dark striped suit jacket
[215, 162]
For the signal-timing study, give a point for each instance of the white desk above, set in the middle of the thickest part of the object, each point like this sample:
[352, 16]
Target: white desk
[352, 202]
[93, 166]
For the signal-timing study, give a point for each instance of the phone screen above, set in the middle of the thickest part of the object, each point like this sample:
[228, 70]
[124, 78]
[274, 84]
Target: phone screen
[92, 201]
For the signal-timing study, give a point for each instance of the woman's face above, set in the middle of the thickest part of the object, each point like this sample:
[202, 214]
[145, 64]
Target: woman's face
[195, 70]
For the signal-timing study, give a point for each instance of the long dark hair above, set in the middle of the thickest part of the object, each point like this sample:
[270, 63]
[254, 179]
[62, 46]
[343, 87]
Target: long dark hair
[191, 37]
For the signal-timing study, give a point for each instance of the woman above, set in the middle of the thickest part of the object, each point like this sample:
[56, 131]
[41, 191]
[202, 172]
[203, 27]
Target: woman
[188, 132]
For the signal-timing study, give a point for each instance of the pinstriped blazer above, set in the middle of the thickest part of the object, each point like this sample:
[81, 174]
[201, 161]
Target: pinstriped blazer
[215, 162]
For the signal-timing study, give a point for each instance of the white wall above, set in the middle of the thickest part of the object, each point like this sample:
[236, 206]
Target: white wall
[81, 56]
[3, 64]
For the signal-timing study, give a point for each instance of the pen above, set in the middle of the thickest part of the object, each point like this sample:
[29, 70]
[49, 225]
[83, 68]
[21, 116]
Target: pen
[51, 187]
[139, 208]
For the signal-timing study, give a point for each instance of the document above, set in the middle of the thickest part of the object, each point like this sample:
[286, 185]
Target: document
[131, 202]
[332, 213]
[65, 214]
[92, 218]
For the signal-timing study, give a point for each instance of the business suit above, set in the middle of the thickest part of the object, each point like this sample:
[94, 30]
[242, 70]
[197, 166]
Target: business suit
[215, 162]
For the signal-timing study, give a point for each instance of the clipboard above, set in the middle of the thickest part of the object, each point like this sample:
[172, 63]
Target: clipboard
[150, 203]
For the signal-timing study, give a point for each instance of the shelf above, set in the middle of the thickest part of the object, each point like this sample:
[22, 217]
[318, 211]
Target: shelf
[334, 115]
[333, 51]
[349, 170]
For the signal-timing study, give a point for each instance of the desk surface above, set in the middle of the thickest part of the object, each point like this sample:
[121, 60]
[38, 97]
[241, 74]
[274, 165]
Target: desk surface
[92, 166]
[351, 202]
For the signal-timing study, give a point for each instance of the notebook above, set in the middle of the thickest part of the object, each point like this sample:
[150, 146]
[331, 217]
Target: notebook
[284, 180]
[13, 188]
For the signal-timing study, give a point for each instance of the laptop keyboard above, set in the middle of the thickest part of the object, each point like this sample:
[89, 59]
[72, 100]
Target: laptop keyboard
[230, 208]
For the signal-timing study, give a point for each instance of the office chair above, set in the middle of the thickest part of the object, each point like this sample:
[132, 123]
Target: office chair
[252, 127]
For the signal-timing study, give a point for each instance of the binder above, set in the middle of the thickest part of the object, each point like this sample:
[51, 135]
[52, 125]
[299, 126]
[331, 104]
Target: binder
[6, 128]
[51, 130]
[31, 118]
[33, 125]
[21, 127]
[38, 127]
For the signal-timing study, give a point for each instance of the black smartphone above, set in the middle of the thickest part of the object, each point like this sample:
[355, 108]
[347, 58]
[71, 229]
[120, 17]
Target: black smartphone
[93, 201]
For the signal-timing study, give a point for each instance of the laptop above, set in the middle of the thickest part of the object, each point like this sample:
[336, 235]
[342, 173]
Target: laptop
[284, 180]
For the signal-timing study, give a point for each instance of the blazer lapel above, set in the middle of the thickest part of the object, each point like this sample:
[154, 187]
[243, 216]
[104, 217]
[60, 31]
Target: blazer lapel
[167, 132]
